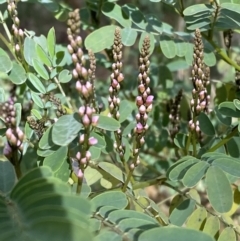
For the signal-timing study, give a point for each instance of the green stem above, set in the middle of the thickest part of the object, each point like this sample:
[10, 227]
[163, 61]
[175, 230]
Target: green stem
[62, 92]
[79, 185]
[5, 27]
[4, 40]
[223, 55]
[224, 140]
[124, 188]
[141, 185]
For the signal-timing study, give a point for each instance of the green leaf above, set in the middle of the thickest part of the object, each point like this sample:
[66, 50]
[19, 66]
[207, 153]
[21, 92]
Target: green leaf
[2, 95]
[194, 174]
[7, 176]
[117, 215]
[56, 160]
[132, 12]
[180, 214]
[108, 123]
[152, 41]
[42, 56]
[125, 110]
[209, 57]
[178, 172]
[37, 100]
[29, 50]
[110, 198]
[168, 46]
[181, 47]
[46, 209]
[66, 129]
[173, 234]
[227, 234]
[129, 36]
[100, 39]
[222, 118]
[46, 140]
[228, 164]
[180, 140]
[113, 170]
[36, 82]
[18, 74]
[219, 190]
[51, 42]
[40, 69]
[115, 12]
[233, 146]
[109, 236]
[206, 125]
[5, 64]
[228, 108]
[64, 76]
[212, 226]
[197, 219]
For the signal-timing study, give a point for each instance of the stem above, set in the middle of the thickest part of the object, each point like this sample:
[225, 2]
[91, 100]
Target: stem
[224, 140]
[4, 40]
[5, 27]
[124, 188]
[158, 180]
[79, 185]
[184, 194]
[223, 55]
[62, 92]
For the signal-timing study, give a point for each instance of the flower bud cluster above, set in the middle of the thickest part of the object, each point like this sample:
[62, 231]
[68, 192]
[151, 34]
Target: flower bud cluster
[116, 79]
[18, 34]
[116, 76]
[200, 78]
[37, 125]
[56, 101]
[14, 134]
[85, 87]
[174, 116]
[144, 99]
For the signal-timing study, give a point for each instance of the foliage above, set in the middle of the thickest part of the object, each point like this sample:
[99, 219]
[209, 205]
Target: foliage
[80, 151]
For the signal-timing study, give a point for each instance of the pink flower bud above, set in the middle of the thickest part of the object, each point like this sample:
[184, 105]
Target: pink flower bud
[75, 73]
[81, 111]
[139, 128]
[81, 139]
[74, 58]
[86, 120]
[149, 100]
[120, 78]
[85, 92]
[92, 141]
[89, 86]
[139, 101]
[141, 88]
[142, 109]
[114, 83]
[95, 120]
[142, 141]
[149, 108]
[89, 111]
[79, 86]
[80, 174]
[78, 155]
[9, 133]
[70, 49]
[84, 73]
[88, 155]
[83, 161]
[138, 117]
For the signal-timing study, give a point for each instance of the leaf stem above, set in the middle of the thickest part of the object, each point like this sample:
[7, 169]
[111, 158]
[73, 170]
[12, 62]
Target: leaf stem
[5, 27]
[224, 140]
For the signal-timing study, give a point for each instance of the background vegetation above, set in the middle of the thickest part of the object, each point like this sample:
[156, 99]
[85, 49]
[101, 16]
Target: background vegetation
[119, 120]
